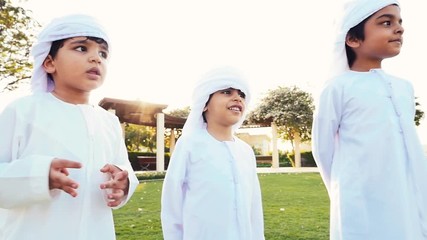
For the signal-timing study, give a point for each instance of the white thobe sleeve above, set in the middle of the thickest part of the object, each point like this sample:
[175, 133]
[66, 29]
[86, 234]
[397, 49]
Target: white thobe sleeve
[257, 216]
[23, 181]
[122, 162]
[324, 131]
[173, 194]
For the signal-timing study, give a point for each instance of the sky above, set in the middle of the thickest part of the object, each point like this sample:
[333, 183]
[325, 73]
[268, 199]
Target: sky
[160, 48]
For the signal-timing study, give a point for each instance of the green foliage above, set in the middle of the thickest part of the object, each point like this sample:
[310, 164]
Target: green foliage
[138, 137]
[419, 114]
[180, 112]
[151, 175]
[257, 151]
[307, 159]
[290, 108]
[296, 206]
[17, 34]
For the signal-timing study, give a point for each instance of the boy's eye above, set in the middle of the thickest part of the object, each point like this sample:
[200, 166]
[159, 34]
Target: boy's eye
[81, 48]
[103, 54]
[226, 91]
[387, 23]
[242, 94]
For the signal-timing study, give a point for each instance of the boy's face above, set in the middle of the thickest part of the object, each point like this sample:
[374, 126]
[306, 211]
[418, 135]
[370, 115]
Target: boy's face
[383, 35]
[225, 107]
[79, 66]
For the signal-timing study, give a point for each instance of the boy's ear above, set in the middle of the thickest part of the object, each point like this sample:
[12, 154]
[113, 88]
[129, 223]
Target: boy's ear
[49, 65]
[351, 41]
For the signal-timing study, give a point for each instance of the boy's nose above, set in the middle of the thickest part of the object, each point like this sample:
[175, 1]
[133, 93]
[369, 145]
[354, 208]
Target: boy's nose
[237, 96]
[400, 29]
[95, 58]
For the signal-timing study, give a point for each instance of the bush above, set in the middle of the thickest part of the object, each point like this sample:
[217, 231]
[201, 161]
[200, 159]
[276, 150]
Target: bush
[307, 159]
[150, 175]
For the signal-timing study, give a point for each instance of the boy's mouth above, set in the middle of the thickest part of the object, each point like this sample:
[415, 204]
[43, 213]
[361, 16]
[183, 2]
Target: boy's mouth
[399, 40]
[236, 108]
[94, 71]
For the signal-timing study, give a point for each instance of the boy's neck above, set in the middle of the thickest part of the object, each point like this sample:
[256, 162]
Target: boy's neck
[221, 133]
[71, 97]
[365, 66]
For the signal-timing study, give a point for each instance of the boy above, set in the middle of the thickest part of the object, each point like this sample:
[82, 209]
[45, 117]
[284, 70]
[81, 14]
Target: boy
[211, 190]
[63, 162]
[364, 137]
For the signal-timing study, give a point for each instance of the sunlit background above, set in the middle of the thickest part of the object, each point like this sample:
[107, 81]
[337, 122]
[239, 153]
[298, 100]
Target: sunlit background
[160, 48]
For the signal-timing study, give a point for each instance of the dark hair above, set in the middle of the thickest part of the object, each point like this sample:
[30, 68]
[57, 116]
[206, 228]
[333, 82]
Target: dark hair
[356, 32]
[56, 45]
[203, 113]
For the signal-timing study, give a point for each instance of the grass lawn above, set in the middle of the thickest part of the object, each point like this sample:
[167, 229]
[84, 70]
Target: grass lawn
[296, 207]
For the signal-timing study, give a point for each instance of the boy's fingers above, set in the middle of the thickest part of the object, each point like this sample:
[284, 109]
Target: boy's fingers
[120, 176]
[70, 191]
[109, 168]
[63, 163]
[115, 198]
[64, 171]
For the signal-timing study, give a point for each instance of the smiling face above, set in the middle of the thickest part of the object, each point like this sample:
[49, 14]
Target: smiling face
[225, 108]
[383, 39]
[78, 67]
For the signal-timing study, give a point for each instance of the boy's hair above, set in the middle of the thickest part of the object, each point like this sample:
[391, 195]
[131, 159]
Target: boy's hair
[349, 14]
[56, 45]
[356, 32]
[215, 80]
[65, 27]
[203, 113]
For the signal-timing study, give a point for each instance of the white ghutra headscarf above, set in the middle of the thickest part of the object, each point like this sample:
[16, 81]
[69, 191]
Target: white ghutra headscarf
[215, 80]
[349, 14]
[60, 28]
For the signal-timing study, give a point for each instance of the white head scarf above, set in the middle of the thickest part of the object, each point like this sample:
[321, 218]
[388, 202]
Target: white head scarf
[60, 28]
[351, 13]
[215, 80]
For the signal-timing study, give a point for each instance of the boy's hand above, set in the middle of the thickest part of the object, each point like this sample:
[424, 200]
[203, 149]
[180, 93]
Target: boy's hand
[58, 176]
[118, 183]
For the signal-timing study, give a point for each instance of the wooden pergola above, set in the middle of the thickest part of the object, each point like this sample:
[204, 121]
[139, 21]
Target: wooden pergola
[147, 114]
[151, 114]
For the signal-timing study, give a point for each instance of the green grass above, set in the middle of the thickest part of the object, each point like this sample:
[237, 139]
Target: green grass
[296, 207]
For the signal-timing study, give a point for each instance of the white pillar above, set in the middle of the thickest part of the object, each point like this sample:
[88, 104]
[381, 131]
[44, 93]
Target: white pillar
[160, 138]
[113, 111]
[275, 153]
[123, 125]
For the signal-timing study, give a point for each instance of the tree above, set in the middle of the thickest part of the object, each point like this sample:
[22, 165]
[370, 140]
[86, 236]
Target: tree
[291, 109]
[419, 114]
[180, 112]
[17, 30]
[138, 137]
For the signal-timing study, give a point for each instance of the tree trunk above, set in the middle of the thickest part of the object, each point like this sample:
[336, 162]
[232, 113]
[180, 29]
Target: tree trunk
[275, 154]
[297, 150]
